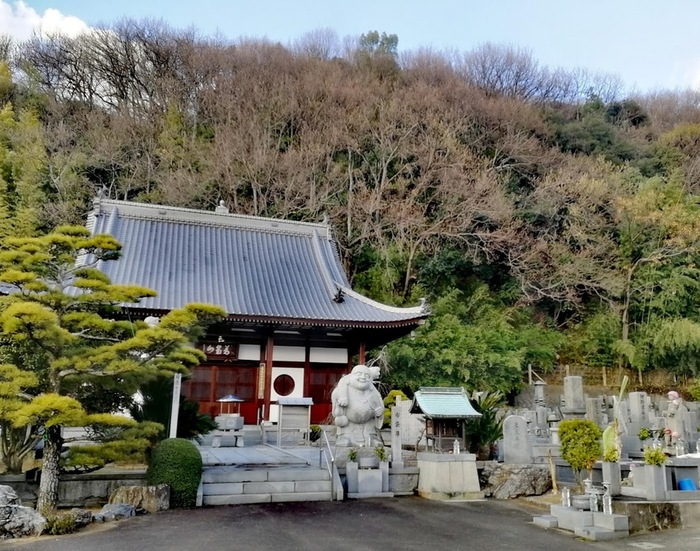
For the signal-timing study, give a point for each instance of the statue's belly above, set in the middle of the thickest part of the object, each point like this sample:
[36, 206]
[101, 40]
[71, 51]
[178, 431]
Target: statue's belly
[356, 415]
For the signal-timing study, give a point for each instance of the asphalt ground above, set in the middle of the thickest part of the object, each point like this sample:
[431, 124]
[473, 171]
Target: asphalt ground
[400, 524]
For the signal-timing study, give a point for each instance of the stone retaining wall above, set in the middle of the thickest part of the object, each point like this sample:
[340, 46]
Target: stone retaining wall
[78, 490]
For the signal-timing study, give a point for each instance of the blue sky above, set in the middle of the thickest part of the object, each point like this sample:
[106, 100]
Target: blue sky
[650, 44]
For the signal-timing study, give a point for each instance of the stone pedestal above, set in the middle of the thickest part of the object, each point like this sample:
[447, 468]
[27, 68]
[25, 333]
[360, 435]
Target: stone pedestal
[655, 479]
[611, 477]
[372, 482]
[448, 476]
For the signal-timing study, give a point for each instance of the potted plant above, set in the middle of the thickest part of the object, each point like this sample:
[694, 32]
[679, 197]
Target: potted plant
[381, 453]
[352, 455]
[644, 434]
[654, 456]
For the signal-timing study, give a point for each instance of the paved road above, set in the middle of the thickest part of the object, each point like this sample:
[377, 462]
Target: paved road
[401, 524]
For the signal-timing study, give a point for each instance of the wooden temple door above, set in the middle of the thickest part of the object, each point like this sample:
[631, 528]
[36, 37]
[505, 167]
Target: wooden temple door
[322, 381]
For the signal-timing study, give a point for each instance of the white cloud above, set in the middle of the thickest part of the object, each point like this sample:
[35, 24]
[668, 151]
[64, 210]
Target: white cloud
[20, 21]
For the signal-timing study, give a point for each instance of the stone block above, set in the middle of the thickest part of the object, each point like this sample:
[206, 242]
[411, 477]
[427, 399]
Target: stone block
[267, 487]
[351, 470]
[679, 495]
[223, 489]
[283, 475]
[230, 474]
[312, 486]
[611, 522]
[570, 518]
[611, 476]
[595, 533]
[384, 473]
[241, 499]
[655, 482]
[446, 476]
[545, 521]
[301, 496]
[369, 481]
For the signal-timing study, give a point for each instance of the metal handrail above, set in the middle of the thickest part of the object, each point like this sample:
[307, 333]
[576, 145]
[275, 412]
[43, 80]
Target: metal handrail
[329, 464]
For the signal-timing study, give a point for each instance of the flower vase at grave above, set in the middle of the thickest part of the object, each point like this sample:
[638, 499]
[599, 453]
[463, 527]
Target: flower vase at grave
[566, 497]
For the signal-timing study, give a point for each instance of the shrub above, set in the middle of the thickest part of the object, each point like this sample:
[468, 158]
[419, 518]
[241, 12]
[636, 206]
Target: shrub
[611, 456]
[315, 432]
[177, 463]
[57, 525]
[644, 434]
[483, 432]
[580, 445]
[654, 456]
[389, 402]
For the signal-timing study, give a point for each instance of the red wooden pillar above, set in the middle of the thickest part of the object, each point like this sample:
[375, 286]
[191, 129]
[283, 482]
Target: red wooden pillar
[361, 353]
[268, 377]
[213, 379]
[307, 368]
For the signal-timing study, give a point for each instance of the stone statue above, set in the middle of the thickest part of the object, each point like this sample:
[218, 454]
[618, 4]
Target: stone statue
[358, 408]
[674, 419]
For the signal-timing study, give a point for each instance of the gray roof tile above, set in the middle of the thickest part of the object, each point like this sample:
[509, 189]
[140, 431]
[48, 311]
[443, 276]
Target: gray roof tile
[253, 267]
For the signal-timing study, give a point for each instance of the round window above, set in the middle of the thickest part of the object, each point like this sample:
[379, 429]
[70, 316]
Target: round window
[284, 385]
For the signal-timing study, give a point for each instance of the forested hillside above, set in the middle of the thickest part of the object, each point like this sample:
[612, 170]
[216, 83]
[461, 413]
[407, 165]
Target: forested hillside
[547, 217]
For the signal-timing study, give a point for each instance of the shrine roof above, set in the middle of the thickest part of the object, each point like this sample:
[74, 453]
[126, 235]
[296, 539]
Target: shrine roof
[443, 403]
[255, 268]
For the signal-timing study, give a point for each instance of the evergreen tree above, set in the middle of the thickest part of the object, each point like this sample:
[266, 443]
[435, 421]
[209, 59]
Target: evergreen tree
[63, 317]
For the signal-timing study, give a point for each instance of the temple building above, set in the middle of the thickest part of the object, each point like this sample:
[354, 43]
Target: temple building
[294, 325]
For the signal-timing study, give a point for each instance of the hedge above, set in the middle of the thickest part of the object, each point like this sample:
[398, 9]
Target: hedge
[177, 463]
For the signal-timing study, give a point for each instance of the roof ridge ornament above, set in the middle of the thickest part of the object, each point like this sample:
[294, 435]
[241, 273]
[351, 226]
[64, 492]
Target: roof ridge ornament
[222, 208]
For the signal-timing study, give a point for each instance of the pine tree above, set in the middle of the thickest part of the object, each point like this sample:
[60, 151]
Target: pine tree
[64, 320]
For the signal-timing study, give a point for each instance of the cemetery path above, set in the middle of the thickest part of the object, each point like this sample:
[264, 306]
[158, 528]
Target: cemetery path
[401, 524]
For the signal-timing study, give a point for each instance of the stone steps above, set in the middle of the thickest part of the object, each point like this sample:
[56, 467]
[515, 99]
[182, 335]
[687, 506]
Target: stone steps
[224, 485]
[594, 526]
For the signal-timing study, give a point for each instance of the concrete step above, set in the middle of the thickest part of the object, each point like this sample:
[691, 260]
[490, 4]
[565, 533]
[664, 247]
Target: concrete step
[232, 486]
[597, 533]
[247, 499]
[545, 521]
[217, 475]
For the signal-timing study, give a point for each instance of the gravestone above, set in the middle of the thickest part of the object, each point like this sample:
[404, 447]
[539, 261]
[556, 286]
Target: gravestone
[541, 414]
[573, 395]
[638, 407]
[516, 442]
[692, 424]
[539, 393]
[594, 410]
